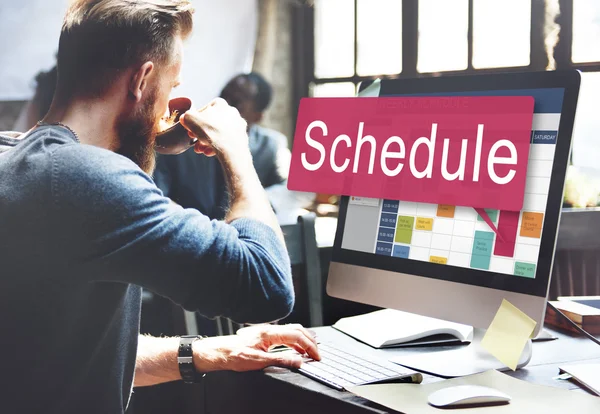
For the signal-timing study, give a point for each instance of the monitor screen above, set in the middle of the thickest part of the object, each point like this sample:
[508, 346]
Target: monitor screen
[453, 242]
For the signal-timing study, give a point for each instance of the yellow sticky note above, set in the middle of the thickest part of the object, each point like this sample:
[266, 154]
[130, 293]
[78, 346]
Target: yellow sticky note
[508, 333]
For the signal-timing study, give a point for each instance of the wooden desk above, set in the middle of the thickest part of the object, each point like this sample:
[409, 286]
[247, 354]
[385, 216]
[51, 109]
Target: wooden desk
[280, 390]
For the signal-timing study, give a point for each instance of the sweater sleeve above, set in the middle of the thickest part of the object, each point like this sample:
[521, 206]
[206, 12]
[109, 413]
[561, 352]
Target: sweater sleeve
[120, 228]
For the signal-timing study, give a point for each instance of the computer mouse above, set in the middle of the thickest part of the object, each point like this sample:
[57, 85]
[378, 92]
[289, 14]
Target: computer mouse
[464, 395]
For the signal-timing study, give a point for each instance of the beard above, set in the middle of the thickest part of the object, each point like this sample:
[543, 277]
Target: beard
[137, 135]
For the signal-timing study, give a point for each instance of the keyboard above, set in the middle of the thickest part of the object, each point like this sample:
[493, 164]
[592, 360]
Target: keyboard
[341, 369]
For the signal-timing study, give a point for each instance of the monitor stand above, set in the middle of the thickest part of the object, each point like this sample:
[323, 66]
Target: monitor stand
[461, 361]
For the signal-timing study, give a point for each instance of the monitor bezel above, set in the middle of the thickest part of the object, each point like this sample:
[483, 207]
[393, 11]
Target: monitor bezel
[569, 80]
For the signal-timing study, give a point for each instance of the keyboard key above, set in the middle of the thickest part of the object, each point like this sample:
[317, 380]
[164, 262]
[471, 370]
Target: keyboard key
[324, 374]
[341, 369]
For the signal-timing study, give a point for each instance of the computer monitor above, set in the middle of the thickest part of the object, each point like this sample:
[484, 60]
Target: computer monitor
[453, 267]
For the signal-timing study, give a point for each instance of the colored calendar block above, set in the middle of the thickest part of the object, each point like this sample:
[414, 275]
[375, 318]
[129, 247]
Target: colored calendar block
[404, 229]
[401, 251]
[424, 223]
[438, 259]
[525, 269]
[531, 225]
[445, 210]
[482, 250]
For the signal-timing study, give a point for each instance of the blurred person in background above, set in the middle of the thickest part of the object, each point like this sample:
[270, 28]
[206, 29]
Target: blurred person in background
[251, 95]
[38, 106]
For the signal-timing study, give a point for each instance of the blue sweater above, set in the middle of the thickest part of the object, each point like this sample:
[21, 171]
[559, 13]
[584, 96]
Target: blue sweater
[82, 229]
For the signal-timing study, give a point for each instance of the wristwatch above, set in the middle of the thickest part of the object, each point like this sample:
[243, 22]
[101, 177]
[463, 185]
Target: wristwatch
[185, 359]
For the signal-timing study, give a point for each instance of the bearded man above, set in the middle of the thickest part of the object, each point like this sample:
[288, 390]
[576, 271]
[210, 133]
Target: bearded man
[84, 228]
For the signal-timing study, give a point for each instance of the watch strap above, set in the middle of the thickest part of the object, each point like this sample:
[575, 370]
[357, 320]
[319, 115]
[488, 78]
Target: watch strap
[185, 359]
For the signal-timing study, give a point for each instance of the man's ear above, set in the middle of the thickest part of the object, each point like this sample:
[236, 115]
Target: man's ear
[139, 80]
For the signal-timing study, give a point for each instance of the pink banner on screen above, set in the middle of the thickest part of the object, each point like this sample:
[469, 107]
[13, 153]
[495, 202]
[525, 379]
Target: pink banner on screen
[508, 224]
[464, 151]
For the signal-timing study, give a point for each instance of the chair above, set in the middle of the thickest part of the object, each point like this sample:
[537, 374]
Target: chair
[301, 243]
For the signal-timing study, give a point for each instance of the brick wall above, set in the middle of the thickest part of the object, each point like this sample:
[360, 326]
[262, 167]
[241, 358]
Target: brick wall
[273, 59]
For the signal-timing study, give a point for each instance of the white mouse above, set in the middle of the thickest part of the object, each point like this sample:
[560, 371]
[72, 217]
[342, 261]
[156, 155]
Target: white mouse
[467, 395]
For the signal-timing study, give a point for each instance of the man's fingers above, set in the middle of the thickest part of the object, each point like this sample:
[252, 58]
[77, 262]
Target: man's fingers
[300, 342]
[298, 349]
[309, 346]
[252, 360]
[309, 334]
[208, 152]
[204, 149]
[190, 121]
[196, 123]
[218, 101]
[281, 359]
[203, 146]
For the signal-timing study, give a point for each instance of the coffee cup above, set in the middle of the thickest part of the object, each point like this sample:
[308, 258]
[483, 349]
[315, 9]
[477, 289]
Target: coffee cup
[175, 139]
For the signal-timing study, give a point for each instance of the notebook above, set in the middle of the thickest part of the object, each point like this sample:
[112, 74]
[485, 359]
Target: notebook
[392, 328]
[587, 375]
[593, 301]
[585, 316]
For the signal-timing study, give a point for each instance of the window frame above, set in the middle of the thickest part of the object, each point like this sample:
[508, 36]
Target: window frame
[410, 11]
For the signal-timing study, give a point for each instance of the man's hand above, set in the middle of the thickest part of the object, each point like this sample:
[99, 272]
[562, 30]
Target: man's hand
[219, 128]
[249, 349]
[221, 131]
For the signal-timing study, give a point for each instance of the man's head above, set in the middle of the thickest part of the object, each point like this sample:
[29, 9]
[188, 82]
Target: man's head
[128, 53]
[250, 94]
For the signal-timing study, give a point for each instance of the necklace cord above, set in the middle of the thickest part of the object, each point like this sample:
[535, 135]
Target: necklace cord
[60, 124]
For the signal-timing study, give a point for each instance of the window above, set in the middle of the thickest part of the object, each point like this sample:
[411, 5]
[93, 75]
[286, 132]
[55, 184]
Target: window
[357, 40]
[334, 89]
[501, 33]
[448, 52]
[586, 31]
[378, 38]
[334, 38]
[586, 134]
[354, 40]
[583, 31]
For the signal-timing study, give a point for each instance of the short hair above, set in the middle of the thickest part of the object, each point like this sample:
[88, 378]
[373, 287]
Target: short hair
[101, 38]
[264, 91]
[254, 87]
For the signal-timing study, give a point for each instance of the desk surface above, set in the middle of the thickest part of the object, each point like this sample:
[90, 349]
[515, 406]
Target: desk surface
[278, 390]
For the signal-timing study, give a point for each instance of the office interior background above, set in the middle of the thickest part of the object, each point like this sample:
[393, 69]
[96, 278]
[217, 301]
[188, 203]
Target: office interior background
[326, 48]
